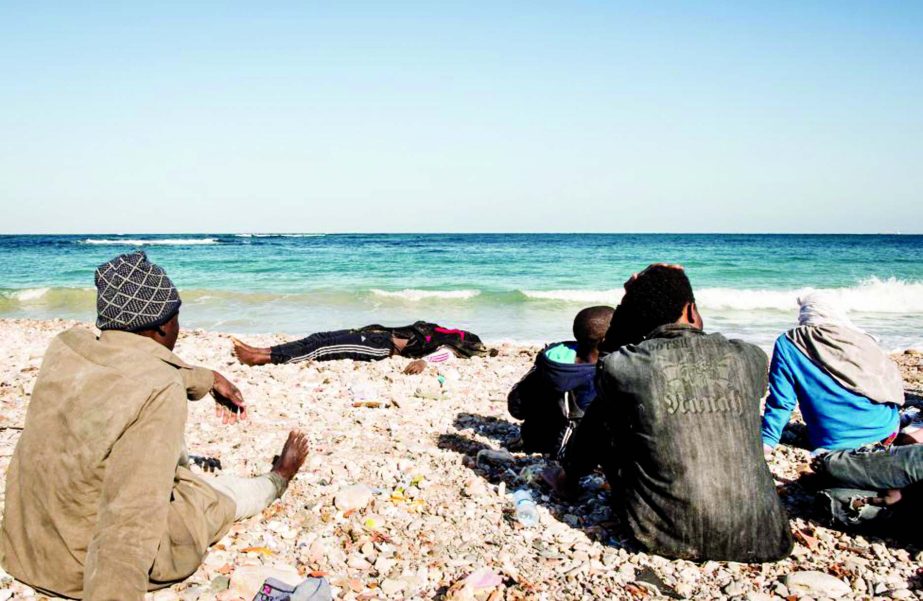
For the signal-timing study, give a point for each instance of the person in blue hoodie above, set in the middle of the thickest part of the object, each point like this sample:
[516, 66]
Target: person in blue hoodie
[552, 396]
[849, 392]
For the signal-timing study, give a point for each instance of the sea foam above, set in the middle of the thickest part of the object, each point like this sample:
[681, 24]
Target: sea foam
[418, 295]
[611, 297]
[28, 294]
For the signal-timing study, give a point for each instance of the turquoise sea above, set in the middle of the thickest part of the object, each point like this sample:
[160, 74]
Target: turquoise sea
[522, 287]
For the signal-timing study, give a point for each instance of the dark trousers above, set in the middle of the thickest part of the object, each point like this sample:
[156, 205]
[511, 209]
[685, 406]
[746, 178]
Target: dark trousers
[339, 344]
[864, 472]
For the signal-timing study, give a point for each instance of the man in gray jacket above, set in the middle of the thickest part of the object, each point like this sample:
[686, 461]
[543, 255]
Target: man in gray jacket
[676, 429]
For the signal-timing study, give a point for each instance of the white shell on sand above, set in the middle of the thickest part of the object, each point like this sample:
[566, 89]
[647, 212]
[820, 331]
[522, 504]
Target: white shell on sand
[816, 584]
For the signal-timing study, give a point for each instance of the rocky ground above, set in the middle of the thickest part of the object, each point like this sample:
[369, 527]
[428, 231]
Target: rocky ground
[400, 500]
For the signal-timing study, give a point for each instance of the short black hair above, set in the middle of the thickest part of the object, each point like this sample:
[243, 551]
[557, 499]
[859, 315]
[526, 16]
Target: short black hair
[591, 325]
[655, 298]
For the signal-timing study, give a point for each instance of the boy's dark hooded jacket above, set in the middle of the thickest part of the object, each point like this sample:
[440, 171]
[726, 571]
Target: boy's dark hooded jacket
[550, 399]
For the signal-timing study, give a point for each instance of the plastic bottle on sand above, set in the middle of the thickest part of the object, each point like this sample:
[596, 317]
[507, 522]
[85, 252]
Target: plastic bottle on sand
[526, 511]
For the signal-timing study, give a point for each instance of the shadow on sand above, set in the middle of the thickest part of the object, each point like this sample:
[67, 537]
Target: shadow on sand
[591, 512]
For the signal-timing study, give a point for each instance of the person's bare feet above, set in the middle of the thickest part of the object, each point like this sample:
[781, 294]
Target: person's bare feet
[251, 355]
[294, 452]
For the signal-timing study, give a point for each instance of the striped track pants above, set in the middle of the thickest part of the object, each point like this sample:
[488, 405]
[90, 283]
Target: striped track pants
[328, 346]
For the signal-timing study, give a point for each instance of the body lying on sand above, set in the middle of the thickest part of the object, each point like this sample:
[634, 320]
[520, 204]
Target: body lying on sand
[674, 424]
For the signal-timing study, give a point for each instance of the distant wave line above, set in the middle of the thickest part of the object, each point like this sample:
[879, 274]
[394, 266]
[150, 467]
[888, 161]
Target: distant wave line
[151, 241]
[279, 235]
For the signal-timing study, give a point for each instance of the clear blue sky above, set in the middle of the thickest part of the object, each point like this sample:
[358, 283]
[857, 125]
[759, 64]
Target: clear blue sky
[532, 116]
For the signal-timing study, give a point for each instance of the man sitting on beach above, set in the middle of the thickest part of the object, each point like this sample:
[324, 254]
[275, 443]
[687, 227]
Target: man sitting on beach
[100, 504]
[849, 391]
[554, 393]
[675, 426]
[427, 343]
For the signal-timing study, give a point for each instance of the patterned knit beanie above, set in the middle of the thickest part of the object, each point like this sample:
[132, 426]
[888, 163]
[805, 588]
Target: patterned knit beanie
[133, 294]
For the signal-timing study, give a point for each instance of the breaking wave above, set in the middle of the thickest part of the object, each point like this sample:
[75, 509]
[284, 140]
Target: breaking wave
[53, 298]
[886, 296]
[418, 295]
[873, 295]
[611, 297]
[27, 294]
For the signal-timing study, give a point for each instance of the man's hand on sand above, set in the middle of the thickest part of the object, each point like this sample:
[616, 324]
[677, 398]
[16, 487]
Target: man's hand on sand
[229, 403]
[415, 367]
[292, 457]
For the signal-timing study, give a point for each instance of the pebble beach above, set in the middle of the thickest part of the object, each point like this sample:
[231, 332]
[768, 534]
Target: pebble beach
[406, 492]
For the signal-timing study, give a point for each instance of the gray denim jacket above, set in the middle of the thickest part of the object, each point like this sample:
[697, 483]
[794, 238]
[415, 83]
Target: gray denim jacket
[676, 427]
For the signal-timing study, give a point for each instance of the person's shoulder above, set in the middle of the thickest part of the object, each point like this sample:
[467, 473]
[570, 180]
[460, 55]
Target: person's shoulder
[619, 359]
[75, 337]
[118, 372]
[138, 367]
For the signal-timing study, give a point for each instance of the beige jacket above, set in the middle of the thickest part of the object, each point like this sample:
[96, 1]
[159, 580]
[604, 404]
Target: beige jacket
[96, 505]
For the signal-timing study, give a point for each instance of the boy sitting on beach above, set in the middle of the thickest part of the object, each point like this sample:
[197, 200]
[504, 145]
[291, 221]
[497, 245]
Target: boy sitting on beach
[100, 503]
[554, 393]
[676, 428]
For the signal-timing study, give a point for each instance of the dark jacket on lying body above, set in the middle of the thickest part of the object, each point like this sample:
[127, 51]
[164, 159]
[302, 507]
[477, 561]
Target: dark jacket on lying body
[551, 399]
[424, 337]
[676, 427]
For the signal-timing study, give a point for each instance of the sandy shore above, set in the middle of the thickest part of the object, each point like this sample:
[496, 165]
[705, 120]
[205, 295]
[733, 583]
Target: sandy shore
[439, 525]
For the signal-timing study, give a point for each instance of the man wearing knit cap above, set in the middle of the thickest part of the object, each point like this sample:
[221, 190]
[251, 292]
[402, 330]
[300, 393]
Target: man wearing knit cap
[100, 503]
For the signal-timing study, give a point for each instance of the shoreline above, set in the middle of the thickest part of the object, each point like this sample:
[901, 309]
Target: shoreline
[437, 516]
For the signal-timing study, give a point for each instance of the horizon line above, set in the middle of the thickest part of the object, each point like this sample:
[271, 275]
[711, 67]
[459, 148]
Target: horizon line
[463, 233]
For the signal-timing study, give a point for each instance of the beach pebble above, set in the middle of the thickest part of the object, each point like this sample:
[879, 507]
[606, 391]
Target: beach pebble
[390, 586]
[757, 596]
[247, 580]
[474, 487]
[816, 584]
[684, 590]
[193, 593]
[356, 496]
[494, 457]
[220, 583]
[735, 589]
[483, 578]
